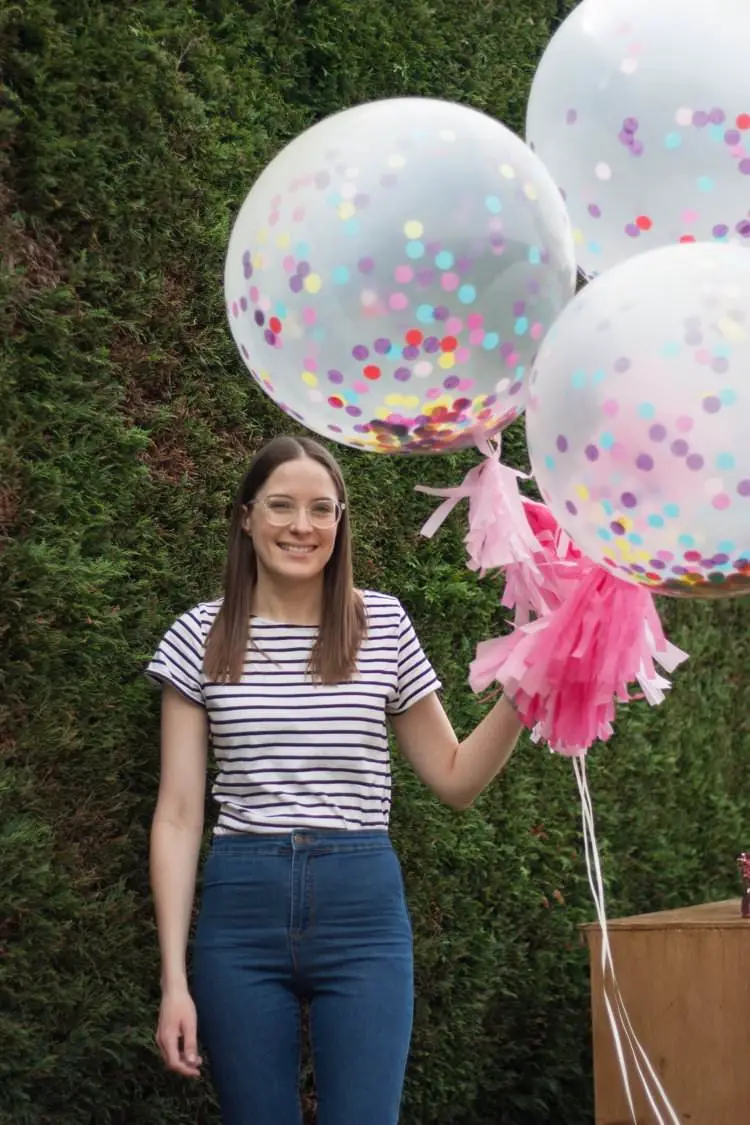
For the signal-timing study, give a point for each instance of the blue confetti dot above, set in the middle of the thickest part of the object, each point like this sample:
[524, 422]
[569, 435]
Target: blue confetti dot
[727, 547]
[318, 334]
[352, 227]
[490, 341]
[673, 140]
[671, 510]
[493, 204]
[444, 260]
[302, 250]
[340, 275]
[704, 183]
[415, 249]
[607, 506]
[598, 377]
[635, 539]
[671, 349]
[595, 247]
[549, 462]
[686, 541]
[280, 309]
[520, 372]
[728, 397]
[655, 521]
[425, 314]
[646, 410]
[521, 326]
[578, 379]
[604, 534]
[717, 132]
[606, 440]
[535, 255]
[467, 294]
[333, 199]
[725, 461]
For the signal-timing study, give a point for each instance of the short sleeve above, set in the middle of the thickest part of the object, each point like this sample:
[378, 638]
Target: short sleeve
[415, 676]
[179, 658]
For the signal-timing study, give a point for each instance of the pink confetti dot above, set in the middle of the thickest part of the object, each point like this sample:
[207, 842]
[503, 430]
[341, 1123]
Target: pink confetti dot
[298, 214]
[360, 386]
[254, 294]
[433, 392]
[454, 325]
[689, 217]
[403, 274]
[536, 331]
[235, 309]
[462, 355]
[465, 384]
[474, 320]
[721, 501]
[611, 407]
[450, 281]
[398, 301]
[476, 336]
[702, 356]
[288, 264]
[264, 303]
[684, 424]
[273, 219]
[311, 363]
[619, 451]
[308, 315]
[512, 359]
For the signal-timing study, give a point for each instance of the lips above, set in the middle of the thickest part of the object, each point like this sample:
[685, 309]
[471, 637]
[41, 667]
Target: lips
[295, 549]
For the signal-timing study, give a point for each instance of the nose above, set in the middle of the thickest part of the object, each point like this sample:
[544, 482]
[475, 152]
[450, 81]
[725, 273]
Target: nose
[301, 521]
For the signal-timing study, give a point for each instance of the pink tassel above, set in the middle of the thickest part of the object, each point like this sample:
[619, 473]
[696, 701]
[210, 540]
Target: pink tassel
[499, 531]
[566, 670]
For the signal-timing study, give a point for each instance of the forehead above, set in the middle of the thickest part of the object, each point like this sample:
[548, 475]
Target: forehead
[302, 478]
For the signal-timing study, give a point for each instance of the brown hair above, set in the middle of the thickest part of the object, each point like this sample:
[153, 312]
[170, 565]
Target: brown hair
[342, 623]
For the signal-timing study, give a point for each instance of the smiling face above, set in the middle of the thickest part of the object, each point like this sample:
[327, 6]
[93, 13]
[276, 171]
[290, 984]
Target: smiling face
[298, 551]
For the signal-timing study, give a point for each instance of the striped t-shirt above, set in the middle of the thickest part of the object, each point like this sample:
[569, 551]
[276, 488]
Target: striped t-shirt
[292, 752]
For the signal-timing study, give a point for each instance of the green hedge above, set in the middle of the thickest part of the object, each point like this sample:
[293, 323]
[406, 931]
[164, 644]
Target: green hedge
[131, 132]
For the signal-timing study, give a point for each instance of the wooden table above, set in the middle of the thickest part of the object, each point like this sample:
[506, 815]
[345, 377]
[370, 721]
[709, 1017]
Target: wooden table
[684, 976]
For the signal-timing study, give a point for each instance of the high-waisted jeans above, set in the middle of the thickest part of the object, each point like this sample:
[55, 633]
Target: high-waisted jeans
[307, 915]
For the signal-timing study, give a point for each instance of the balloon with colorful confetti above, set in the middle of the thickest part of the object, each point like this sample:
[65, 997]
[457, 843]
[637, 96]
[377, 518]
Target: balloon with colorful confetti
[392, 272]
[638, 420]
[641, 112]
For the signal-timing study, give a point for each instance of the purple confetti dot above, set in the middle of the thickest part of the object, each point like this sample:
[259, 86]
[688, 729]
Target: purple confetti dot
[712, 404]
[362, 429]
[630, 124]
[562, 443]
[694, 462]
[743, 228]
[733, 137]
[247, 268]
[269, 337]
[693, 338]
[626, 138]
[425, 277]
[388, 180]
[571, 507]
[743, 488]
[595, 211]
[410, 351]
[592, 453]
[382, 345]
[514, 388]
[303, 269]
[506, 350]
[628, 500]
[720, 365]
[632, 230]
[519, 308]
[353, 411]
[243, 349]
[721, 230]
[717, 116]
[463, 265]
[258, 317]
[617, 527]
[637, 148]
[431, 344]
[622, 364]
[679, 570]
[657, 432]
[243, 304]
[656, 564]
[679, 447]
[497, 240]
[402, 374]
[335, 376]
[700, 118]
[532, 286]
[451, 382]
[359, 351]
[720, 560]
[441, 313]
[366, 265]
[644, 462]
[361, 200]
[571, 116]
[490, 400]
[744, 166]
[295, 283]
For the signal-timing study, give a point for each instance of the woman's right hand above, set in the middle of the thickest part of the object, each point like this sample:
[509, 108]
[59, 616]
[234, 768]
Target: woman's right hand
[177, 1033]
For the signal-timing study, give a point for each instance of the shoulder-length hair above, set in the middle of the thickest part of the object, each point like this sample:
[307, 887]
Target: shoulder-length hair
[342, 622]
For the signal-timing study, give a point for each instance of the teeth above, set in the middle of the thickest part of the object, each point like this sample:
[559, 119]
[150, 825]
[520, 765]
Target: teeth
[296, 550]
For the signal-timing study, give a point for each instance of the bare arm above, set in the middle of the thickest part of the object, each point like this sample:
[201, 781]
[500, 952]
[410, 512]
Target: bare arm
[457, 772]
[177, 829]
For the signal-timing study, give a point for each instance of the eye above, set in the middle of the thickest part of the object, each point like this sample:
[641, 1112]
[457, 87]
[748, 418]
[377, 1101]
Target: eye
[280, 505]
[323, 508]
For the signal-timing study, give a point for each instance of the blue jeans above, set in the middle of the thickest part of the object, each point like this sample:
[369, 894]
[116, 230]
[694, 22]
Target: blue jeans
[307, 915]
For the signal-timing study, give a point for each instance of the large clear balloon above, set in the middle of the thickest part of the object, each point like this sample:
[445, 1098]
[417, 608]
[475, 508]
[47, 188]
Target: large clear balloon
[392, 272]
[641, 111]
[638, 420]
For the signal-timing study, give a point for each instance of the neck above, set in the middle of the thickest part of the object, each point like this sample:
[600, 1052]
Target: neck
[291, 604]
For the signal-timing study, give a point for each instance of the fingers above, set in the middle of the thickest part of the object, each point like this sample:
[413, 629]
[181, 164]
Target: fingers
[180, 1051]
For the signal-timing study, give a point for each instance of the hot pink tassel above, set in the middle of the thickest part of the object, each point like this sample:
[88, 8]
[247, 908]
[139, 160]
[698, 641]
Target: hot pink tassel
[566, 670]
[499, 531]
[539, 585]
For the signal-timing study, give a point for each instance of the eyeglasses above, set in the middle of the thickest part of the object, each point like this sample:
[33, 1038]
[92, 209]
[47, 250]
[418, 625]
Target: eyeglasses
[280, 511]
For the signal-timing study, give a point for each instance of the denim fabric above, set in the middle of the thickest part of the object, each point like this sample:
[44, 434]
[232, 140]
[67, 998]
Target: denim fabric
[309, 915]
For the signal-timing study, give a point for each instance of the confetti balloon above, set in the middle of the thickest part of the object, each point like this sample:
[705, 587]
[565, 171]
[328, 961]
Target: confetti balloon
[638, 420]
[392, 272]
[641, 111]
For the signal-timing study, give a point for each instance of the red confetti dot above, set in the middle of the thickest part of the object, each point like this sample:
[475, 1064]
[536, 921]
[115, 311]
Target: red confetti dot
[688, 238]
[371, 371]
[449, 343]
[692, 556]
[460, 404]
[275, 324]
[743, 121]
[334, 400]
[414, 337]
[653, 577]
[643, 222]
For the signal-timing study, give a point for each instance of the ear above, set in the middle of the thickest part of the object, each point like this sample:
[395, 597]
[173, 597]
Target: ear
[246, 518]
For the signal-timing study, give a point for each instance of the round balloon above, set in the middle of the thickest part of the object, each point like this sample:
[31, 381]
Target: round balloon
[638, 420]
[392, 272]
[641, 111]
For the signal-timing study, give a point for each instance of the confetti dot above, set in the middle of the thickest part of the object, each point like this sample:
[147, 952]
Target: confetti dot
[340, 275]
[493, 204]
[313, 282]
[467, 294]
[643, 222]
[603, 171]
[743, 121]
[371, 371]
[507, 172]
[684, 116]
[309, 379]
[444, 260]
[413, 228]
[673, 140]
[415, 250]
[396, 161]
[398, 301]
[705, 183]
[629, 65]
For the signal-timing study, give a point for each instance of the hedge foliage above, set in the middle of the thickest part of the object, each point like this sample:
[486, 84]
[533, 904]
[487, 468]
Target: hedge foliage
[130, 134]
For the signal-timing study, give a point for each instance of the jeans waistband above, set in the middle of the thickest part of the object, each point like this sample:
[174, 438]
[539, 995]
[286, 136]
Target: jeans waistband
[315, 840]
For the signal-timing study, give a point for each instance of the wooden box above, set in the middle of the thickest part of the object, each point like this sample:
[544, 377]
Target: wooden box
[684, 976]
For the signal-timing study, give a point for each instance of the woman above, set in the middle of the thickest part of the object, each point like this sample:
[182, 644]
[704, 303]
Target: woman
[291, 677]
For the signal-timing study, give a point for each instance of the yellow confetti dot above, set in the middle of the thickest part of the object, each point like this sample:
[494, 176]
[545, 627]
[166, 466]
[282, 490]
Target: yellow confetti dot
[382, 412]
[582, 492]
[258, 260]
[507, 171]
[347, 210]
[578, 236]
[410, 401]
[731, 330]
[413, 229]
[262, 236]
[447, 360]
[530, 191]
[394, 400]
[396, 161]
[313, 282]
[283, 240]
[309, 379]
